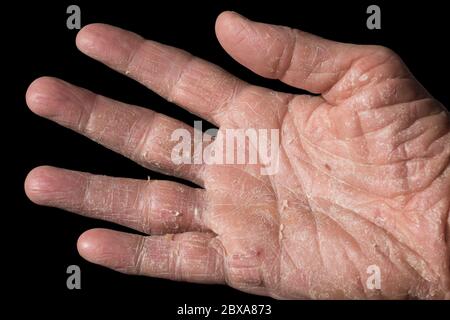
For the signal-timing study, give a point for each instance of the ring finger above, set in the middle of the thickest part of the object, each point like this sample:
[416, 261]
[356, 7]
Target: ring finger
[153, 207]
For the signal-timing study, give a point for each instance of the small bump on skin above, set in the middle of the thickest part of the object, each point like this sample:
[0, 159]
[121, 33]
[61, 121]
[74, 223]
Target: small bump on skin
[284, 205]
[281, 235]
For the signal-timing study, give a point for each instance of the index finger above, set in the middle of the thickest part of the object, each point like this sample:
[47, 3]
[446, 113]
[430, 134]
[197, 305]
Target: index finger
[196, 85]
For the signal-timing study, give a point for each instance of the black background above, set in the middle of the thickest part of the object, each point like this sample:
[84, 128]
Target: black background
[40, 242]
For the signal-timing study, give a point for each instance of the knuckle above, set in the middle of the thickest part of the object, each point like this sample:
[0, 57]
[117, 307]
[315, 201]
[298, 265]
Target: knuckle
[386, 52]
[388, 58]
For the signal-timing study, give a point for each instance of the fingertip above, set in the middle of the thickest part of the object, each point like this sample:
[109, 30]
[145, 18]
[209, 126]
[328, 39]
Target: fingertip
[89, 243]
[48, 185]
[47, 96]
[229, 16]
[106, 43]
[224, 15]
[56, 100]
[39, 95]
[112, 249]
[38, 183]
[228, 21]
[88, 36]
[231, 29]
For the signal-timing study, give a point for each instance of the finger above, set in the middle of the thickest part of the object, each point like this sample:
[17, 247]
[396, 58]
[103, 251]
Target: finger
[152, 206]
[190, 82]
[140, 134]
[193, 257]
[295, 57]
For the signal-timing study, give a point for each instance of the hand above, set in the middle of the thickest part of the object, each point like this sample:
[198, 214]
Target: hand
[363, 177]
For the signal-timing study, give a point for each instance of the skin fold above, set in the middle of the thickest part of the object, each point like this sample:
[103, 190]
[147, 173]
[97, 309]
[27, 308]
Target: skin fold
[363, 179]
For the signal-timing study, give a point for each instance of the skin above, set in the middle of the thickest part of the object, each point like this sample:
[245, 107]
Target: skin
[363, 179]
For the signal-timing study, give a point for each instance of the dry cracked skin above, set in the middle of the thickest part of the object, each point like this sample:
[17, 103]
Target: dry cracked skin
[363, 179]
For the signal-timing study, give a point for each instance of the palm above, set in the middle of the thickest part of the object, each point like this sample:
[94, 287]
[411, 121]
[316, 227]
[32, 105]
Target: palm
[362, 179]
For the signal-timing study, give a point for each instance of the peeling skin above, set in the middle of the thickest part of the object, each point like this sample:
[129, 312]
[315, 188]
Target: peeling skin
[281, 232]
[284, 205]
[363, 179]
